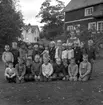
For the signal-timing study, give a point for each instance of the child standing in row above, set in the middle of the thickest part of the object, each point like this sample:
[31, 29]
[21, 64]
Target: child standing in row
[10, 73]
[7, 56]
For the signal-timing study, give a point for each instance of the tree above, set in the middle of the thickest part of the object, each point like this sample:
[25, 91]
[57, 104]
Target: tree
[11, 22]
[53, 17]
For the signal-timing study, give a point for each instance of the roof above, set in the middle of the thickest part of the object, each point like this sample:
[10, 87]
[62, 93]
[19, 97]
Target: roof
[32, 27]
[77, 4]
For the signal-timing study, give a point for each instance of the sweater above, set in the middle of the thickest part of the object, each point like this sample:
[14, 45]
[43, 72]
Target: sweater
[47, 70]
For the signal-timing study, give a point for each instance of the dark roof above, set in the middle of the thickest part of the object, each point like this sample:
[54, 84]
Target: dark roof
[77, 4]
[32, 27]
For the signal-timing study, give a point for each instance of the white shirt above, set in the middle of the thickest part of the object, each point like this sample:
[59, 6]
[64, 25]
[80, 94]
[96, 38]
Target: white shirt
[10, 72]
[70, 54]
[47, 69]
[64, 54]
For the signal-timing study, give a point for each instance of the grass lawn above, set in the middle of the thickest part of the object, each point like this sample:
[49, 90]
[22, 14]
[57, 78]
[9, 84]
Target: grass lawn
[54, 93]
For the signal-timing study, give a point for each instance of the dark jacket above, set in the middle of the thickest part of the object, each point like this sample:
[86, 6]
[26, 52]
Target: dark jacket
[91, 53]
[59, 69]
[52, 53]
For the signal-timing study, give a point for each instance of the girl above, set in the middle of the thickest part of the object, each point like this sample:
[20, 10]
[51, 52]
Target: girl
[73, 70]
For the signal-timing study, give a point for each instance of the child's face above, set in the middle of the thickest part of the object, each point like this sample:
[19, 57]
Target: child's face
[72, 61]
[20, 61]
[40, 46]
[72, 34]
[59, 44]
[85, 59]
[28, 62]
[37, 59]
[69, 47]
[7, 48]
[82, 44]
[58, 62]
[46, 48]
[10, 65]
[45, 61]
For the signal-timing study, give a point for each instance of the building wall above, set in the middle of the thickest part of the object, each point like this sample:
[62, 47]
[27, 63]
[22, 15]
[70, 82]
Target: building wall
[78, 15]
[31, 37]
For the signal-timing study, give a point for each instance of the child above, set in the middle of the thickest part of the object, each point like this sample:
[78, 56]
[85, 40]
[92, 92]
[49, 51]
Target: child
[58, 52]
[59, 70]
[52, 51]
[46, 70]
[30, 51]
[45, 52]
[7, 56]
[10, 73]
[65, 64]
[36, 67]
[36, 51]
[15, 53]
[70, 51]
[77, 53]
[64, 52]
[28, 74]
[23, 52]
[73, 70]
[21, 70]
[85, 69]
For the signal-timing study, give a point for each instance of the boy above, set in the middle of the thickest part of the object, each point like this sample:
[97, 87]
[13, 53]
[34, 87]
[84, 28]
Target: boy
[10, 73]
[36, 51]
[59, 70]
[20, 70]
[58, 52]
[77, 53]
[15, 53]
[46, 70]
[23, 52]
[73, 70]
[70, 52]
[52, 51]
[28, 74]
[30, 51]
[36, 67]
[85, 69]
[7, 56]
[64, 51]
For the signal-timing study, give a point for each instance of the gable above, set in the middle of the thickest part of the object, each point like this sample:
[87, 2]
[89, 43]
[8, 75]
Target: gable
[77, 4]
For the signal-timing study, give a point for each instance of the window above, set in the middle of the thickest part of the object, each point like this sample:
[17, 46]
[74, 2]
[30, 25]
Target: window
[100, 26]
[69, 28]
[88, 11]
[92, 25]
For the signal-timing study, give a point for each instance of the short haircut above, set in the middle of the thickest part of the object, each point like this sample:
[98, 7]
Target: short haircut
[85, 55]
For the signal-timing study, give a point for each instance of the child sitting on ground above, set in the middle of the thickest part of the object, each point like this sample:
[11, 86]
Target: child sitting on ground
[46, 70]
[85, 69]
[28, 74]
[10, 73]
[59, 70]
[7, 56]
[20, 70]
[73, 70]
[36, 67]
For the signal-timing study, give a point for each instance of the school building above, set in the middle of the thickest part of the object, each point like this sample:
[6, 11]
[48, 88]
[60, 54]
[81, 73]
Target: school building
[87, 13]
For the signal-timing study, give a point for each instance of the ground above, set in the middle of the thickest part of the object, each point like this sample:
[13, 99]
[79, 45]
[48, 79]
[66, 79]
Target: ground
[54, 93]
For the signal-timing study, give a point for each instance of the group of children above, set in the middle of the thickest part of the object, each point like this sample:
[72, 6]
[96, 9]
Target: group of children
[56, 61]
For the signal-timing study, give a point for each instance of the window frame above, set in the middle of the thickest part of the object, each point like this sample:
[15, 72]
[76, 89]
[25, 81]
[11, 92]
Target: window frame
[98, 25]
[86, 11]
[92, 23]
[70, 27]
